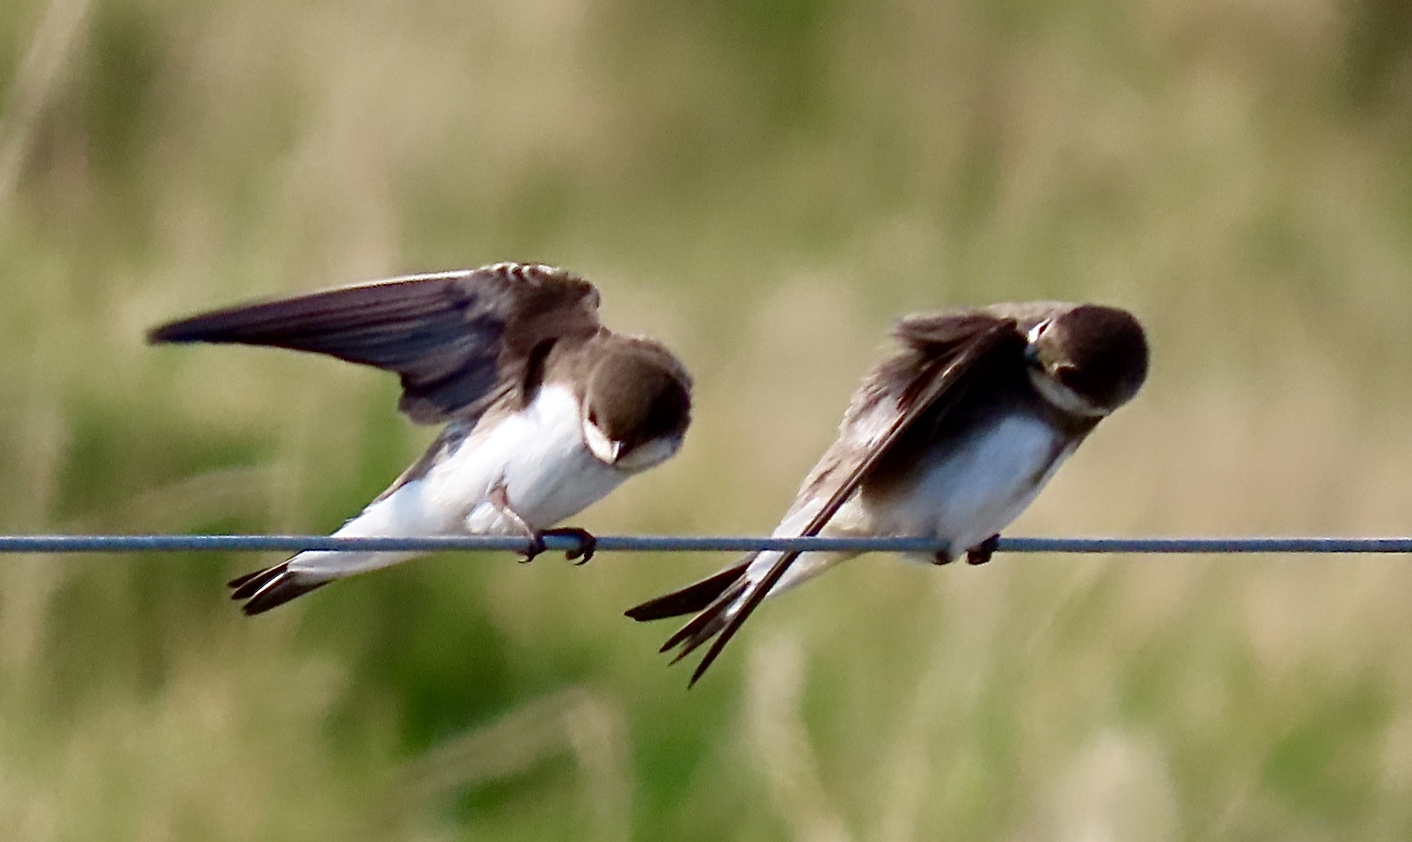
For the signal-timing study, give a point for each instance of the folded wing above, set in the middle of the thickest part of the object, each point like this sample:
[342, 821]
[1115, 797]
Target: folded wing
[942, 355]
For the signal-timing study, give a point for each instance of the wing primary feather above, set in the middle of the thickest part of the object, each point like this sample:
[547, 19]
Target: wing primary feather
[974, 350]
[342, 309]
[452, 337]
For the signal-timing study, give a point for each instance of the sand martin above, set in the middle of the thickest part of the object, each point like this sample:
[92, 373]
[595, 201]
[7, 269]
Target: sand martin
[950, 439]
[546, 410]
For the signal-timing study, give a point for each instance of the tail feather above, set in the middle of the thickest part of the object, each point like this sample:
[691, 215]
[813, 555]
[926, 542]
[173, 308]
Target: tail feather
[269, 588]
[239, 582]
[712, 600]
[717, 599]
[690, 599]
[708, 623]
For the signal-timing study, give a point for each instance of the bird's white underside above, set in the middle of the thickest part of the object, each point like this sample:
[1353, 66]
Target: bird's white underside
[540, 457]
[965, 495]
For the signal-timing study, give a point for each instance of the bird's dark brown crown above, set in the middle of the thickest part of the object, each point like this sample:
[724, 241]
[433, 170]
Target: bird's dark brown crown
[638, 393]
[1099, 353]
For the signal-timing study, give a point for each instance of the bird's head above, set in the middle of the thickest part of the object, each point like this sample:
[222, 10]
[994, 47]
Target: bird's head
[1087, 360]
[636, 406]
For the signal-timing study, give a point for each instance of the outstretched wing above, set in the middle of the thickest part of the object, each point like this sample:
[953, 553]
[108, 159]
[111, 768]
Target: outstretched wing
[943, 355]
[457, 339]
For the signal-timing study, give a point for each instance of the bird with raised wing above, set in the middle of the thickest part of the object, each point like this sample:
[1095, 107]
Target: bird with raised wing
[546, 410]
[949, 439]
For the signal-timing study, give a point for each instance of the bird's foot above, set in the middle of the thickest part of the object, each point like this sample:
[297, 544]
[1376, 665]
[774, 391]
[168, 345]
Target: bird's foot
[536, 546]
[500, 499]
[981, 553]
[941, 557]
[579, 555]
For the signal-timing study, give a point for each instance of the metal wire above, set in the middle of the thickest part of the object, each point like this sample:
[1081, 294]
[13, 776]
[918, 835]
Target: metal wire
[683, 543]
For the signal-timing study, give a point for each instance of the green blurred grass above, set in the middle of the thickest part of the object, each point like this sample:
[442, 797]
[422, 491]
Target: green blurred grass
[764, 186]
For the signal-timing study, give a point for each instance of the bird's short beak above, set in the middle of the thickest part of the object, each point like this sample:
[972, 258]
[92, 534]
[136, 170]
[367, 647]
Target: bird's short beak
[1032, 343]
[605, 449]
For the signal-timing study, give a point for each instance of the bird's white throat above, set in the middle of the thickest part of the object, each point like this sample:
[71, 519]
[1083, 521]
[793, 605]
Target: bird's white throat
[1062, 396]
[598, 442]
[637, 459]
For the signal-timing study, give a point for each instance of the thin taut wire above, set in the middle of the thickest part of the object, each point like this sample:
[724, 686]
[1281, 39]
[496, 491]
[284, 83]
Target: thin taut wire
[684, 543]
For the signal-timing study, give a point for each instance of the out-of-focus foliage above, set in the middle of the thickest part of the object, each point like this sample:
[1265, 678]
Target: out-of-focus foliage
[763, 185]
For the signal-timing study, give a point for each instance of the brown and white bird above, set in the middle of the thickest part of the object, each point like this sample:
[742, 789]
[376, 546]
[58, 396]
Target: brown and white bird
[949, 439]
[546, 410]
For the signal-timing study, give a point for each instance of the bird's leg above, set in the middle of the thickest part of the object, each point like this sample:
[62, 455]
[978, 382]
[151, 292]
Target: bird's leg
[587, 543]
[941, 557]
[981, 553]
[500, 499]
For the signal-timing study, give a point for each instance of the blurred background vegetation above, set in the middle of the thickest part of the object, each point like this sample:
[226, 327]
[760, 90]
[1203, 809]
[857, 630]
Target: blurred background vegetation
[763, 185]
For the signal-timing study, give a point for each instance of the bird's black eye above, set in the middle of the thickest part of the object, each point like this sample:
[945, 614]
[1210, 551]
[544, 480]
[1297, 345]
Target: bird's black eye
[1068, 376]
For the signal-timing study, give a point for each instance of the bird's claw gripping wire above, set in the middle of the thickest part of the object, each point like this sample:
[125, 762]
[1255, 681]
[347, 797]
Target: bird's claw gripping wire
[981, 553]
[500, 499]
[579, 555]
